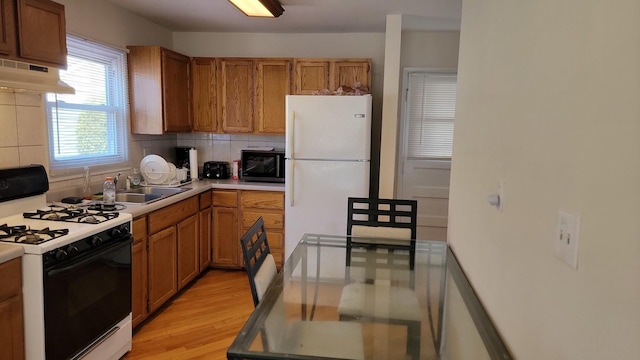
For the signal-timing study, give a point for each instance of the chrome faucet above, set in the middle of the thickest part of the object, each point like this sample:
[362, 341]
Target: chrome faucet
[115, 180]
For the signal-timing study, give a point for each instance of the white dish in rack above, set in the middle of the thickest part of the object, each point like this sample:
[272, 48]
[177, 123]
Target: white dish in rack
[155, 169]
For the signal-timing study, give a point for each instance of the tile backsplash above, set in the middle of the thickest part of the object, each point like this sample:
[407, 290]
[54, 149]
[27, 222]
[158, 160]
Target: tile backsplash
[23, 130]
[24, 141]
[226, 147]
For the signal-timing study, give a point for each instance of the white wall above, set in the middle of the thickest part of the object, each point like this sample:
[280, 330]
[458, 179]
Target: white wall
[548, 102]
[104, 22]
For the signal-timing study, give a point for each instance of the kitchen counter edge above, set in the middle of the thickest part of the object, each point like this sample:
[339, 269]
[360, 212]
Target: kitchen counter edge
[10, 252]
[198, 187]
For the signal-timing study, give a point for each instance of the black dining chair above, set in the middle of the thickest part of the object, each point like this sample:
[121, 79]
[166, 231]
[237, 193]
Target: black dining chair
[258, 260]
[299, 337]
[382, 218]
[380, 269]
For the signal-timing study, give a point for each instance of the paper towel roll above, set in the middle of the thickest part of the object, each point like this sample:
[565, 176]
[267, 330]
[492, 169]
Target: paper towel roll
[193, 163]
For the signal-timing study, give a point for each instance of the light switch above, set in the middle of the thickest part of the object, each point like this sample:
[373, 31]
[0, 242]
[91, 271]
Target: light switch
[567, 238]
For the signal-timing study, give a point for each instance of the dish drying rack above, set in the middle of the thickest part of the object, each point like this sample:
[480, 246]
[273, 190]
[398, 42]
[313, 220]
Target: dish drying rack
[173, 183]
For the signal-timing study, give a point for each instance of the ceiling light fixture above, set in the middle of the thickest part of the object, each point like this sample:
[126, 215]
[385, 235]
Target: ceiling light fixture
[259, 8]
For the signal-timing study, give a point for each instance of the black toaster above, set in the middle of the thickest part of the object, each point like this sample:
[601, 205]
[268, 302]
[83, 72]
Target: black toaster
[215, 170]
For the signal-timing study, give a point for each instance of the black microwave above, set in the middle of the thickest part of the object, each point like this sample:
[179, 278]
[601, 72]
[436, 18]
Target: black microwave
[262, 165]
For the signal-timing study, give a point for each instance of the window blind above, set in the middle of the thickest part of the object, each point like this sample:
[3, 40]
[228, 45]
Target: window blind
[89, 128]
[431, 105]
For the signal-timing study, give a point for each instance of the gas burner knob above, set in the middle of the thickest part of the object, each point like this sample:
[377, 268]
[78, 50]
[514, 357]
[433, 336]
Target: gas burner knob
[60, 254]
[72, 250]
[116, 232]
[96, 240]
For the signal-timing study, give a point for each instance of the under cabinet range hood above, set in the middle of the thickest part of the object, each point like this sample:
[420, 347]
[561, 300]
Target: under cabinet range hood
[21, 76]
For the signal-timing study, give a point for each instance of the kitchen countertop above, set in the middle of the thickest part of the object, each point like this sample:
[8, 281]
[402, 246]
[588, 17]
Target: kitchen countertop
[10, 252]
[197, 187]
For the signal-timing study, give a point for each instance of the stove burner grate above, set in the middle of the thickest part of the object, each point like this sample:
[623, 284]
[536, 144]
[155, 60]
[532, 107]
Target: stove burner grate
[25, 235]
[86, 216]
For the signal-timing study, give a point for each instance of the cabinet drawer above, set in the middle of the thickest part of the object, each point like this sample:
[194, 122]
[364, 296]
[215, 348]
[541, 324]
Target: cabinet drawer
[172, 214]
[205, 200]
[225, 198]
[10, 278]
[263, 200]
[276, 239]
[272, 220]
[139, 228]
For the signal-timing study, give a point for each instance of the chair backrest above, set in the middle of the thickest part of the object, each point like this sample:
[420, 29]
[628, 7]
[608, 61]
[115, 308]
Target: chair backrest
[398, 214]
[382, 218]
[260, 265]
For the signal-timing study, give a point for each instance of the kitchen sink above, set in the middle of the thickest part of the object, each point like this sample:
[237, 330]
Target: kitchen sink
[136, 198]
[146, 195]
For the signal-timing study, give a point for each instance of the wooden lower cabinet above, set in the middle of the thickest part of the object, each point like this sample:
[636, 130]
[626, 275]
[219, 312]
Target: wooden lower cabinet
[171, 247]
[270, 206]
[226, 241]
[11, 313]
[163, 274]
[188, 260]
[139, 271]
[234, 212]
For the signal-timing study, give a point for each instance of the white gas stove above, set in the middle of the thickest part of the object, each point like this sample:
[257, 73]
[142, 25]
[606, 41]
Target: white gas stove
[76, 271]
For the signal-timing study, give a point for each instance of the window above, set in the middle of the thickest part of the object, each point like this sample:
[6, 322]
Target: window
[89, 128]
[431, 108]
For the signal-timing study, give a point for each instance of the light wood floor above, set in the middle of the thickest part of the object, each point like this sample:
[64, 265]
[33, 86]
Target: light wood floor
[199, 323]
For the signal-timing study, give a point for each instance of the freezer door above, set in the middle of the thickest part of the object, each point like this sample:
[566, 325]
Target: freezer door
[316, 195]
[328, 127]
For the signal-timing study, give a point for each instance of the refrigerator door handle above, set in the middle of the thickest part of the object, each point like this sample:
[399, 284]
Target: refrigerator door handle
[292, 117]
[290, 175]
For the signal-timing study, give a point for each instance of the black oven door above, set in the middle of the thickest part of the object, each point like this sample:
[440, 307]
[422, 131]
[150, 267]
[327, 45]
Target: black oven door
[85, 297]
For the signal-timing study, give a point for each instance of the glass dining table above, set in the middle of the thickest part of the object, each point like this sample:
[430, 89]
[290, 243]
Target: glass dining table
[331, 301]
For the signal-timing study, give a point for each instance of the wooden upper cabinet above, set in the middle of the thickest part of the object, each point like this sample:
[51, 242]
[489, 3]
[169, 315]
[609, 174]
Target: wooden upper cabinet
[42, 34]
[273, 84]
[7, 27]
[175, 86]
[159, 90]
[203, 94]
[33, 31]
[311, 75]
[349, 72]
[236, 95]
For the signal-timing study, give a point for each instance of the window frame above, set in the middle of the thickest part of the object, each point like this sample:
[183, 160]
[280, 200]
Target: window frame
[116, 107]
[405, 112]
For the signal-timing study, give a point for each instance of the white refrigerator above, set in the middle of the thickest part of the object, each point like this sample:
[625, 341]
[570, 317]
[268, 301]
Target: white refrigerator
[328, 142]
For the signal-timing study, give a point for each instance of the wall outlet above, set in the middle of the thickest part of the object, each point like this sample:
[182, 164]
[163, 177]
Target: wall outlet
[568, 238]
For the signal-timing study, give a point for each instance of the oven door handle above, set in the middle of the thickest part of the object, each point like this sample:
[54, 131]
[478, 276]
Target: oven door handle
[57, 270]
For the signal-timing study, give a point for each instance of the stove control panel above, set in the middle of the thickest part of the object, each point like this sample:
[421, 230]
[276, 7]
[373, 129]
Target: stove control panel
[87, 246]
